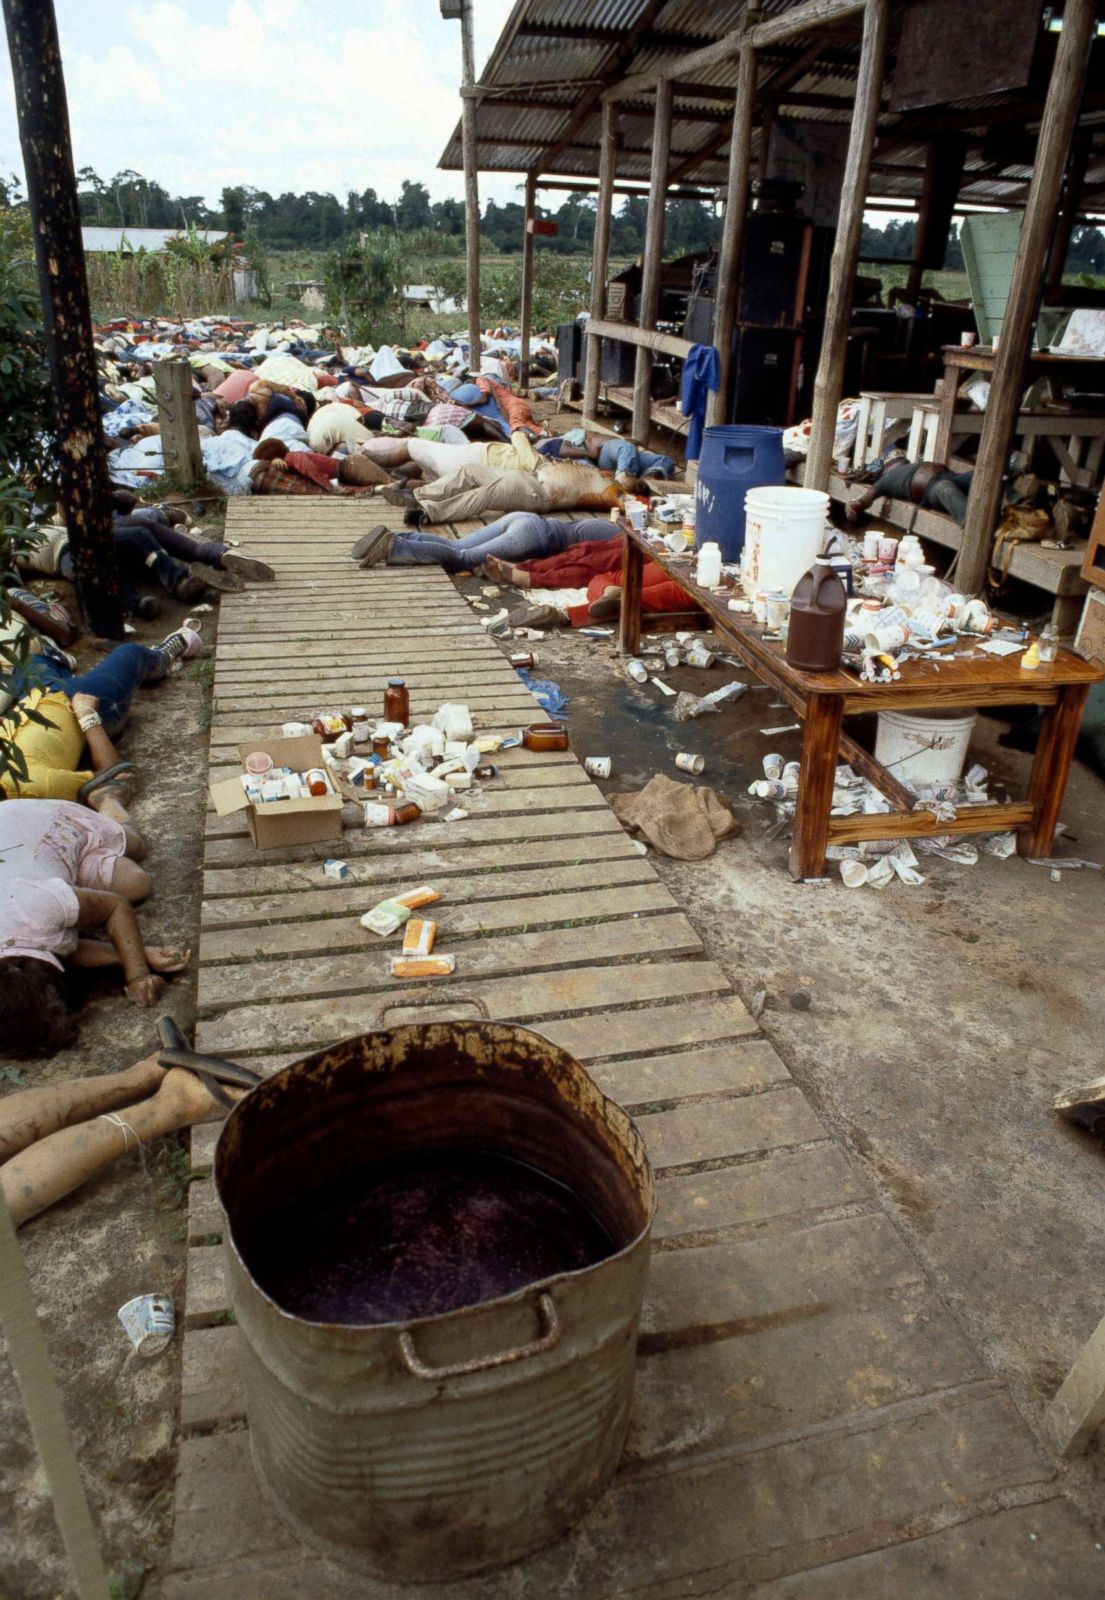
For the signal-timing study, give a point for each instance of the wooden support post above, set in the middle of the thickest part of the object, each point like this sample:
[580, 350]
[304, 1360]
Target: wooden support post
[838, 312]
[63, 289]
[924, 224]
[471, 187]
[180, 437]
[1064, 94]
[46, 1413]
[1068, 210]
[633, 572]
[732, 227]
[654, 256]
[527, 274]
[1078, 1409]
[600, 254]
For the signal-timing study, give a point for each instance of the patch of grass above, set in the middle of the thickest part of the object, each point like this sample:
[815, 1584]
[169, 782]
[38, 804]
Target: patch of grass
[172, 1172]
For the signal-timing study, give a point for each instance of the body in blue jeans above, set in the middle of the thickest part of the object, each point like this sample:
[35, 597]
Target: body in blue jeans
[618, 455]
[112, 681]
[519, 536]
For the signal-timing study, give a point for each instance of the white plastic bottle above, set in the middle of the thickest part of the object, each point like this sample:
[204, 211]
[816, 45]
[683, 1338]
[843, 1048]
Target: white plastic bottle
[708, 571]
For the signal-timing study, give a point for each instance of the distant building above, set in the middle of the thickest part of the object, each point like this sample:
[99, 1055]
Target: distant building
[110, 241]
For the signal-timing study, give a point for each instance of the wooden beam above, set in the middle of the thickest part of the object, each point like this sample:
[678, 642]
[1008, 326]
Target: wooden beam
[1068, 78]
[176, 415]
[566, 187]
[1068, 210]
[658, 39]
[527, 276]
[924, 224]
[667, 344]
[653, 256]
[732, 227]
[600, 255]
[471, 189]
[1078, 1409]
[838, 311]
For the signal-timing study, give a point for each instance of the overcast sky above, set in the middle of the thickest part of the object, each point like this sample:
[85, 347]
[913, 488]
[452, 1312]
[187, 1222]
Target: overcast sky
[281, 94]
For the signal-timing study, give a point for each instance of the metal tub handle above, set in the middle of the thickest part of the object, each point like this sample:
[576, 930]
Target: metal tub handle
[549, 1339]
[425, 1002]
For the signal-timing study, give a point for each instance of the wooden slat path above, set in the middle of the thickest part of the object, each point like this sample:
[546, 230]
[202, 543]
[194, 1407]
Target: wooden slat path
[809, 1421]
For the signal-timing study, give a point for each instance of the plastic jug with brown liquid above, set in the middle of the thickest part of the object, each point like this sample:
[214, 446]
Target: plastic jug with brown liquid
[815, 638]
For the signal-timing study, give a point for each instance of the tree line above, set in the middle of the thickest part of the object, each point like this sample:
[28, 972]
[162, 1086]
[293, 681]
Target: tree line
[894, 242]
[319, 221]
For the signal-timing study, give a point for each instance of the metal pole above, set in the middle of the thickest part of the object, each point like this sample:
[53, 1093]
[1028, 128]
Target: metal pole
[59, 257]
[46, 1415]
[527, 273]
[600, 256]
[471, 186]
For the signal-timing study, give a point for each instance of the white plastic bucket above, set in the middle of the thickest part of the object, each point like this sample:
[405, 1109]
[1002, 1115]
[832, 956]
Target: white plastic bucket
[923, 751]
[784, 530]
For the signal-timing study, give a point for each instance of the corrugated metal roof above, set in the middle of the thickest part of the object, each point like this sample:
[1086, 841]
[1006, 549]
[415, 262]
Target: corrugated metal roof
[552, 85]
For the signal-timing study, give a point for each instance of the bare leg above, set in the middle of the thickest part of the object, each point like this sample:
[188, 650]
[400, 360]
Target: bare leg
[65, 1161]
[34, 1113]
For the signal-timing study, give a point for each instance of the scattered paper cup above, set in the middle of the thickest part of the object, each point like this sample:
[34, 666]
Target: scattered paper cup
[686, 762]
[773, 765]
[854, 874]
[149, 1322]
[597, 766]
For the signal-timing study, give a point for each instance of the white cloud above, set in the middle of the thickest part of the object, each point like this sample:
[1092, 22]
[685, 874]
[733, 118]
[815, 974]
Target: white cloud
[281, 94]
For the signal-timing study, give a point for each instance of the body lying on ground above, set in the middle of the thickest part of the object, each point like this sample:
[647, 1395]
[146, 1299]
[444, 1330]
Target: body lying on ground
[512, 538]
[597, 567]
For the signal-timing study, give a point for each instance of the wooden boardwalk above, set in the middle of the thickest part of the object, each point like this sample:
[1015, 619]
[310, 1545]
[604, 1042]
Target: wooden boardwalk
[809, 1424]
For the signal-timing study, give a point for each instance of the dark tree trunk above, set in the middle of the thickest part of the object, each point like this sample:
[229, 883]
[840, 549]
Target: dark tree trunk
[55, 216]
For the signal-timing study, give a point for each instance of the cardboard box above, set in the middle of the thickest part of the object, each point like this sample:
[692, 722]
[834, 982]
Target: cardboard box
[1089, 641]
[282, 822]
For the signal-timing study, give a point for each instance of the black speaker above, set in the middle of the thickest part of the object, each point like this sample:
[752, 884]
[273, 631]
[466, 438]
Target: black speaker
[771, 263]
[760, 375]
[617, 363]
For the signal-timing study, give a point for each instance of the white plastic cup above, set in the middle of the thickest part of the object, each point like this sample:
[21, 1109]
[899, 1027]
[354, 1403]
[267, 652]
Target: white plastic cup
[637, 515]
[871, 542]
[773, 766]
[777, 612]
[699, 656]
[673, 656]
[637, 671]
[854, 874]
[884, 641]
[686, 762]
[887, 547]
[968, 338]
[149, 1322]
[597, 766]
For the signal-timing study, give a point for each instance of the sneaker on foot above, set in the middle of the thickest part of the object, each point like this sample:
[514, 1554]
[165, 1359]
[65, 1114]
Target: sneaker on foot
[181, 645]
[189, 588]
[539, 617]
[608, 604]
[212, 578]
[247, 567]
[367, 542]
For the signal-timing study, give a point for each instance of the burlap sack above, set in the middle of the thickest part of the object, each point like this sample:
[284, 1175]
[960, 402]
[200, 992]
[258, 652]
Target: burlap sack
[683, 820]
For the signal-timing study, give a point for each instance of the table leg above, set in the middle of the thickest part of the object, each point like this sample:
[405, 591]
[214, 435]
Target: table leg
[1050, 768]
[820, 753]
[942, 447]
[629, 628]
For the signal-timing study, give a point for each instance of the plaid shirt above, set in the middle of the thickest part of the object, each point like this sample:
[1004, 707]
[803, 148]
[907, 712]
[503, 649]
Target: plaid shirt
[443, 415]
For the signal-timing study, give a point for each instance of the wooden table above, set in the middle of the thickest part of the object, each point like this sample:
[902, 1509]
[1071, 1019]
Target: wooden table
[823, 699]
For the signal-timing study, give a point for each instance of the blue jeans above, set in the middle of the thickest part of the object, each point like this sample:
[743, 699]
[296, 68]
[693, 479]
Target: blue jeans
[519, 536]
[622, 455]
[113, 680]
[140, 554]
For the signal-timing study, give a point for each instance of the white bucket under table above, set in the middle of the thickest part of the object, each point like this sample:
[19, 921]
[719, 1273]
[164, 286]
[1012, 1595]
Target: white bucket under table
[784, 530]
[925, 750]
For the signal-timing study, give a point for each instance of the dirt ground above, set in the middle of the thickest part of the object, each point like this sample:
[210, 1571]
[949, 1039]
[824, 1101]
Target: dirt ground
[124, 1235]
[943, 1018]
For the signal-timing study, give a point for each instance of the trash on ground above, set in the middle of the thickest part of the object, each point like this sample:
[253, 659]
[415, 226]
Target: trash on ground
[386, 918]
[332, 868]
[688, 706]
[549, 694]
[149, 1322]
[422, 966]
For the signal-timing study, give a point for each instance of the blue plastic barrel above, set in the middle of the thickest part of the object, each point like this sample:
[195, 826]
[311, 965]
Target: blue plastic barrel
[734, 459]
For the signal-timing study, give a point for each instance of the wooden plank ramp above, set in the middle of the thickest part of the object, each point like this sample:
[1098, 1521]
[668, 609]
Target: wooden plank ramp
[809, 1420]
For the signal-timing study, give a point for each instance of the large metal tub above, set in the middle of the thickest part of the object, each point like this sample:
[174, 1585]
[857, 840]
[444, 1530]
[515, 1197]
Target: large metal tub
[441, 1447]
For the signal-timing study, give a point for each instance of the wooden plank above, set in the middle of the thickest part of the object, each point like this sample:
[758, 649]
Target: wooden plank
[815, 1178]
[334, 933]
[515, 832]
[716, 1129]
[652, 259]
[532, 999]
[732, 1066]
[600, 255]
[670, 1027]
[1078, 1408]
[920, 824]
[293, 977]
[565, 803]
[588, 857]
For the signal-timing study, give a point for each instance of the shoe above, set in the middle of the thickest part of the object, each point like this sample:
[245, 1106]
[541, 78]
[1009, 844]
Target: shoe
[608, 604]
[212, 578]
[365, 543]
[539, 617]
[248, 567]
[189, 588]
[415, 517]
[181, 645]
[146, 607]
[397, 496]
